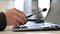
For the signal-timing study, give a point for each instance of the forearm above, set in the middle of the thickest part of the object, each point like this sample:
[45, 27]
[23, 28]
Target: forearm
[2, 21]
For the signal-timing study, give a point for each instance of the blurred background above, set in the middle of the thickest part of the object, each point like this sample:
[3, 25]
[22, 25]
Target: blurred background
[6, 4]
[19, 4]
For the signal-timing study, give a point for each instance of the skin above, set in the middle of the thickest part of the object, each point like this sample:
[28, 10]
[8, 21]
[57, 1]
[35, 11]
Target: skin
[14, 16]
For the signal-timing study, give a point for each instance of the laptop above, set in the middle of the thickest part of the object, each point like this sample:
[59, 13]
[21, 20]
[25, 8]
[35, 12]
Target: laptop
[51, 22]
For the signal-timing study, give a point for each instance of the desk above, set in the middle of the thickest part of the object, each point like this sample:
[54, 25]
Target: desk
[8, 31]
[36, 32]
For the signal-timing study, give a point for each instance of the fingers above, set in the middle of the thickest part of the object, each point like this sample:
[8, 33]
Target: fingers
[20, 14]
[21, 17]
[15, 16]
[19, 21]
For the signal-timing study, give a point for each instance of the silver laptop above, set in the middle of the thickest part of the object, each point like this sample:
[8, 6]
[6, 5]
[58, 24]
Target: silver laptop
[50, 22]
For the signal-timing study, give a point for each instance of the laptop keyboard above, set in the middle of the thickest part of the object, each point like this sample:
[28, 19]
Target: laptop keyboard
[36, 26]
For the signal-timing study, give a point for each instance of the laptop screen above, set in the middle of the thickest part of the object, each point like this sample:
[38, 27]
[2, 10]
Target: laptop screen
[54, 12]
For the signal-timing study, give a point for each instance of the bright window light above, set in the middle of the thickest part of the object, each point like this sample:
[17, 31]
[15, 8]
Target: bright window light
[19, 4]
